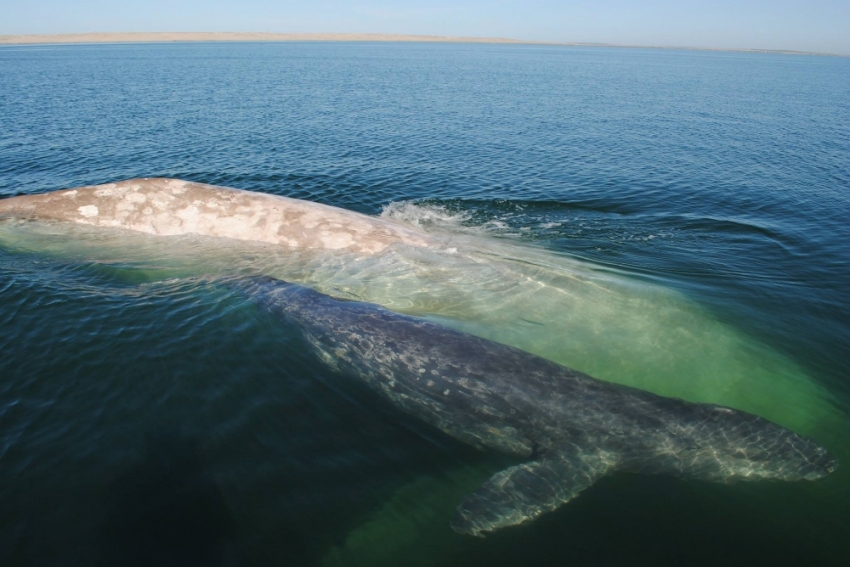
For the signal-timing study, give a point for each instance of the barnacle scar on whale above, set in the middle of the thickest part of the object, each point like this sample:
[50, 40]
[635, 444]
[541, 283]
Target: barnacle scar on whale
[569, 429]
[171, 207]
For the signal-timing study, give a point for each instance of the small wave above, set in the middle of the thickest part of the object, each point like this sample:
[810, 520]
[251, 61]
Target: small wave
[426, 215]
[525, 221]
[550, 221]
[506, 219]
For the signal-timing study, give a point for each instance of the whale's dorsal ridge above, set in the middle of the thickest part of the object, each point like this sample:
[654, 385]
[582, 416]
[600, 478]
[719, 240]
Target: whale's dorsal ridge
[171, 207]
[524, 492]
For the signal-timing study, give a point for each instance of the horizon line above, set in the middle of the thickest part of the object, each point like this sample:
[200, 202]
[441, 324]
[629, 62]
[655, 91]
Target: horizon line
[197, 37]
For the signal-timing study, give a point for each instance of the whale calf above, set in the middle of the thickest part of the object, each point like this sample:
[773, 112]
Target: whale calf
[171, 207]
[568, 428]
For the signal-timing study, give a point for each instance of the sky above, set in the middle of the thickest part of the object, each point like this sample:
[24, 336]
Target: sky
[800, 25]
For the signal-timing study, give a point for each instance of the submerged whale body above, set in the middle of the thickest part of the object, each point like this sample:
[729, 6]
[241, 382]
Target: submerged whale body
[171, 207]
[569, 428]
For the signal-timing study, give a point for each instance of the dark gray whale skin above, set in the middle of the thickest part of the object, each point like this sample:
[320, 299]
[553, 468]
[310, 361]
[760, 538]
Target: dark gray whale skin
[568, 428]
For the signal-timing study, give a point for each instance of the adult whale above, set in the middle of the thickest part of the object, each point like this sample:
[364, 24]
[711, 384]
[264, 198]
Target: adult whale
[173, 207]
[569, 428]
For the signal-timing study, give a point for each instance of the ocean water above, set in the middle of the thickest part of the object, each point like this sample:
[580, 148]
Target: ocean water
[672, 220]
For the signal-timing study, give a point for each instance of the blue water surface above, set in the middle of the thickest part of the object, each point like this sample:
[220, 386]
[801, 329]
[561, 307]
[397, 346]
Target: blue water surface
[162, 422]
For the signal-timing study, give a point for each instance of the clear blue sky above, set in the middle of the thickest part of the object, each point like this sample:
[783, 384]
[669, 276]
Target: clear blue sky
[805, 25]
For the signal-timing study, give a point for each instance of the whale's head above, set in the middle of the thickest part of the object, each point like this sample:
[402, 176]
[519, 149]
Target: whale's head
[725, 445]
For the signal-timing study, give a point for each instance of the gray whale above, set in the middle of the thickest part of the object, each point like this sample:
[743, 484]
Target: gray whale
[568, 428]
[170, 207]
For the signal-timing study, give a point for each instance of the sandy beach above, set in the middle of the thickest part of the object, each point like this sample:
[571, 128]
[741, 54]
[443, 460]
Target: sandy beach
[150, 37]
[186, 37]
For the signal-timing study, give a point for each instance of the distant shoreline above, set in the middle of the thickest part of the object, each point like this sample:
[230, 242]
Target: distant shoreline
[188, 37]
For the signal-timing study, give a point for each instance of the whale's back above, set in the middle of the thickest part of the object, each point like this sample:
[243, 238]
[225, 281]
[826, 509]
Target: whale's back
[170, 207]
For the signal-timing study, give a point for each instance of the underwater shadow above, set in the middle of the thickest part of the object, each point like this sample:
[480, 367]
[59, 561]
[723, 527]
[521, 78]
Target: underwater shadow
[166, 511]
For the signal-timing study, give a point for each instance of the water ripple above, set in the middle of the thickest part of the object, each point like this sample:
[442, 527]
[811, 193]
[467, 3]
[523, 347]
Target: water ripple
[723, 176]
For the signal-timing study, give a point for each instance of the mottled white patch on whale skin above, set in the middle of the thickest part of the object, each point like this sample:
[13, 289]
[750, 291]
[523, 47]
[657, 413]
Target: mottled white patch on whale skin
[190, 213]
[135, 197]
[161, 200]
[177, 187]
[337, 241]
[88, 211]
[173, 207]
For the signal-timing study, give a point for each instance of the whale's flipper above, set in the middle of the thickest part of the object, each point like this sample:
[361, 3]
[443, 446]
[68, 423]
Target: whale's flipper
[525, 491]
